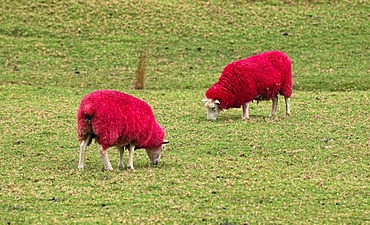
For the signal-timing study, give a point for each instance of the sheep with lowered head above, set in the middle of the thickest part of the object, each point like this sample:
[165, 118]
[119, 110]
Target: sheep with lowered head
[114, 118]
[259, 77]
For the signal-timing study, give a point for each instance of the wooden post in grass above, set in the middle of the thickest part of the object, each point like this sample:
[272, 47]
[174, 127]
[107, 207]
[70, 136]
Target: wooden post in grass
[141, 70]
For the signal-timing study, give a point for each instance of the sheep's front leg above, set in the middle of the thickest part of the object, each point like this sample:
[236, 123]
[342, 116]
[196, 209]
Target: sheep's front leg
[274, 106]
[131, 151]
[245, 110]
[287, 107]
[120, 151]
[104, 156]
[83, 147]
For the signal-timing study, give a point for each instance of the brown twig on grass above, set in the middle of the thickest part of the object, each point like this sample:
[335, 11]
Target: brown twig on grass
[141, 70]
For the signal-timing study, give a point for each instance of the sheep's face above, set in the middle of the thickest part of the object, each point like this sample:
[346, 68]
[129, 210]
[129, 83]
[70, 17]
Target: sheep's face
[154, 154]
[213, 108]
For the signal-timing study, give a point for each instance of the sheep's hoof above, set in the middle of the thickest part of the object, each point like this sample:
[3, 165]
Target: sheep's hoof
[156, 162]
[130, 167]
[245, 118]
[107, 168]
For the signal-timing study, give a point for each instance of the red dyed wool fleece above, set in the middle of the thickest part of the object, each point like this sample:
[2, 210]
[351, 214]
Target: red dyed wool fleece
[118, 119]
[259, 77]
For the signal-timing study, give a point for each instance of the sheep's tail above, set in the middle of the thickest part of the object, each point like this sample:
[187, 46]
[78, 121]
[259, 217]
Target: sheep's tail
[84, 129]
[89, 138]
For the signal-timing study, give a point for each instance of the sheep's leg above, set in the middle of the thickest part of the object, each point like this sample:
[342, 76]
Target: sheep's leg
[131, 151]
[83, 147]
[245, 110]
[274, 106]
[120, 162]
[287, 107]
[104, 156]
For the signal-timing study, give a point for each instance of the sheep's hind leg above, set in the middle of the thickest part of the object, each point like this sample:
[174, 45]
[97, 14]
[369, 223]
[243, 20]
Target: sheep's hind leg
[274, 106]
[131, 151]
[120, 162]
[287, 106]
[83, 147]
[105, 157]
[245, 107]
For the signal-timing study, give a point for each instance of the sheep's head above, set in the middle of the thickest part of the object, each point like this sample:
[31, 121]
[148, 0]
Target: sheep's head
[213, 108]
[154, 154]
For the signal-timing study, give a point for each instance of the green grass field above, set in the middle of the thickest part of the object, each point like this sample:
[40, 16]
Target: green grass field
[310, 168]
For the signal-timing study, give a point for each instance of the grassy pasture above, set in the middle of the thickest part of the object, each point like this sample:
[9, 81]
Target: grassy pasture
[310, 168]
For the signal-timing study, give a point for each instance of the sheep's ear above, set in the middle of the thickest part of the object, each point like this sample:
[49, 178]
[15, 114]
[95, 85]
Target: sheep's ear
[217, 102]
[165, 142]
[204, 100]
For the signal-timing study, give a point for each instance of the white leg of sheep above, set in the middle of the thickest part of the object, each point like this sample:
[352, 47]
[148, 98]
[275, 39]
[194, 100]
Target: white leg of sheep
[245, 110]
[274, 106]
[105, 157]
[120, 162]
[83, 146]
[287, 107]
[131, 151]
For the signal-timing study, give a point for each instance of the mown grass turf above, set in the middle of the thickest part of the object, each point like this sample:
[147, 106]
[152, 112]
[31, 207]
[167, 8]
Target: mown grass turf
[98, 43]
[310, 168]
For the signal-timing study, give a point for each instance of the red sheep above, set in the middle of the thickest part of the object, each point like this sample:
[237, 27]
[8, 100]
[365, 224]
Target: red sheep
[259, 77]
[117, 119]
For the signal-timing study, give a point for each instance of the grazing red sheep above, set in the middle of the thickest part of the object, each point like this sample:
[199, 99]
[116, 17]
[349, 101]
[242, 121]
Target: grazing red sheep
[259, 77]
[117, 119]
